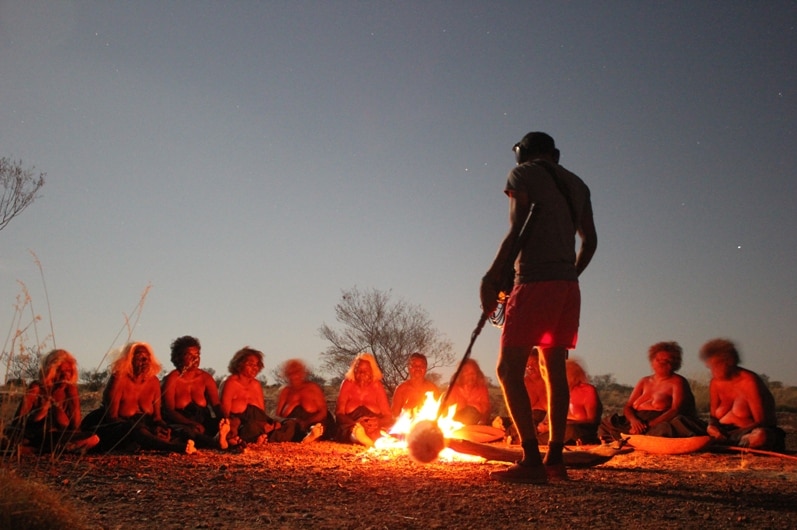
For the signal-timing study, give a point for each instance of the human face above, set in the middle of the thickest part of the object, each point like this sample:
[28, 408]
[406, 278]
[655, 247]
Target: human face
[191, 358]
[468, 374]
[295, 376]
[250, 367]
[721, 367]
[65, 371]
[141, 360]
[662, 363]
[417, 369]
[363, 374]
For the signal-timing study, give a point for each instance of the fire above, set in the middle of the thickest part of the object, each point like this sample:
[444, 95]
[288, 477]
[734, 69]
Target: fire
[396, 439]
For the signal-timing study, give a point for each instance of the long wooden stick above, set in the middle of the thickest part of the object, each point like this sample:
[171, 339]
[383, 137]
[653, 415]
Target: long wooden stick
[737, 449]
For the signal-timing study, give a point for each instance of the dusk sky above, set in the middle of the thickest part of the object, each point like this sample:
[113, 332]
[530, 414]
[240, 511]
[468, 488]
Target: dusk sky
[252, 160]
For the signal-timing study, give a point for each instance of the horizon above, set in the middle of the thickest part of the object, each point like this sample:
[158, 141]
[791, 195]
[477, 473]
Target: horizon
[248, 162]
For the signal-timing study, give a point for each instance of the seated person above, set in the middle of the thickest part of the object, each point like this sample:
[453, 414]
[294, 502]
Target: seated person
[130, 415]
[304, 401]
[470, 395]
[535, 386]
[742, 409]
[584, 412]
[48, 418]
[538, 397]
[190, 396]
[661, 404]
[244, 404]
[362, 409]
[411, 394]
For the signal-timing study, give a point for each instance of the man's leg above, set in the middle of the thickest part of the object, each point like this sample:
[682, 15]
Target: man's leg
[553, 371]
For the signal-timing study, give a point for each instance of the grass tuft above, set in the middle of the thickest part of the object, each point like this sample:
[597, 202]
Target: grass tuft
[29, 505]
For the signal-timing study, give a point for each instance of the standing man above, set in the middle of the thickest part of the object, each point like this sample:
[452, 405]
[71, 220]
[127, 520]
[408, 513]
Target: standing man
[543, 309]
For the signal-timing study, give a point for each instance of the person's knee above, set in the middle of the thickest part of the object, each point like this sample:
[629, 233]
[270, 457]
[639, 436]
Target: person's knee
[511, 368]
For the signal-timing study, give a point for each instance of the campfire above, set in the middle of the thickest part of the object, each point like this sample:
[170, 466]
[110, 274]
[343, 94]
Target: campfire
[418, 431]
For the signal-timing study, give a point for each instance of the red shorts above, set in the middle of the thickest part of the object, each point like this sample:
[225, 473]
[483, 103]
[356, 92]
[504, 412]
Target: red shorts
[543, 314]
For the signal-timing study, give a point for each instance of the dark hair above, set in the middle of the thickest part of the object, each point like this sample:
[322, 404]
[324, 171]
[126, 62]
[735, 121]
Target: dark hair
[418, 355]
[720, 348]
[240, 358]
[179, 347]
[536, 143]
[671, 347]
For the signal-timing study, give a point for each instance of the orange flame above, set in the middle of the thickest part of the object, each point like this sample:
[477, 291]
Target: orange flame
[395, 439]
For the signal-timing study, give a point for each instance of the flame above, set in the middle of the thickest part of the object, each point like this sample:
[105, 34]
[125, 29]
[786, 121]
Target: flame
[395, 439]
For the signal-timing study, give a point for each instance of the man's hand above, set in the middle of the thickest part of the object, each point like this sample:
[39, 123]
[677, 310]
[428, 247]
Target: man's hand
[488, 294]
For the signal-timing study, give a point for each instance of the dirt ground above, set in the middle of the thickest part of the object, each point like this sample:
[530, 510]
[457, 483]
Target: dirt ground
[329, 485]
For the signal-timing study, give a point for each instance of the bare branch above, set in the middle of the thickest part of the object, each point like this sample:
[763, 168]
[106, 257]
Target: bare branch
[20, 187]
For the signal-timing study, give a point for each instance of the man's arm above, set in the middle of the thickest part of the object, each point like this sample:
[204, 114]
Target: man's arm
[519, 205]
[589, 239]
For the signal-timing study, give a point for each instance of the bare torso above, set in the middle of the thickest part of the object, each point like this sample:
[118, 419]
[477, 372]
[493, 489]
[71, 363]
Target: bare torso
[306, 395]
[129, 397]
[238, 392]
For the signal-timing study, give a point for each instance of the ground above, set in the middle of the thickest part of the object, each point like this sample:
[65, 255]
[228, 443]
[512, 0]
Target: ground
[329, 485]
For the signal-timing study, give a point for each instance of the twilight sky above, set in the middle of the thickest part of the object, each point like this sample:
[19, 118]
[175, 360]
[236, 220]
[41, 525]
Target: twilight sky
[251, 160]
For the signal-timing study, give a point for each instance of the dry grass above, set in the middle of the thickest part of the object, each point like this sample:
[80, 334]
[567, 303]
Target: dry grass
[28, 504]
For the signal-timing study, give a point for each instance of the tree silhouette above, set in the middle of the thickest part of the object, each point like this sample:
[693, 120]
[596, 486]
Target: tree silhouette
[390, 330]
[20, 187]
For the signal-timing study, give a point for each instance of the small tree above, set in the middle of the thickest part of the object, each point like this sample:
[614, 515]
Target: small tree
[20, 187]
[94, 379]
[25, 365]
[390, 330]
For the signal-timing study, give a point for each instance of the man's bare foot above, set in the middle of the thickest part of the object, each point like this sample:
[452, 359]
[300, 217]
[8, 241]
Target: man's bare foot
[316, 431]
[224, 430]
[262, 439]
[190, 448]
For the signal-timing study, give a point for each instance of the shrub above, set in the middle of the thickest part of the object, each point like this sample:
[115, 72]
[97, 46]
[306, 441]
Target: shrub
[27, 504]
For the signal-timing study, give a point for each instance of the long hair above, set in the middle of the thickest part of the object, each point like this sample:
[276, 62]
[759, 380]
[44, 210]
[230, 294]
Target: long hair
[369, 358]
[123, 364]
[575, 373]
[50, 364]
[481, 380]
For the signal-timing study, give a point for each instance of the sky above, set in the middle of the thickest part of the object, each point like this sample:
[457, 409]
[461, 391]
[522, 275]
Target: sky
[244, 163]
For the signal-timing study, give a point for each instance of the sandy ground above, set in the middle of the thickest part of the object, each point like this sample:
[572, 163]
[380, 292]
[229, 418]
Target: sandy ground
[330, 485]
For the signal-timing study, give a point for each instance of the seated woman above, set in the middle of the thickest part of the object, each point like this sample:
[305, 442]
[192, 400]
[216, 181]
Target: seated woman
[130, 415]
[48, 418]
[661, 404]
[304, 401]
[538, 398]
[584, 412]
[741, 407]
[362, 409]
[190, 396]
[244, 405]
[470, 395]
[411, 393]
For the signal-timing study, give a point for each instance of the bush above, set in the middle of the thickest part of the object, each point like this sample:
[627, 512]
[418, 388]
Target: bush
[27, 504]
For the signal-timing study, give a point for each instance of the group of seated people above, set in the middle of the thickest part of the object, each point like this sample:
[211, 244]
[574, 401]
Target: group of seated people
[186, 410]
[741, 406]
